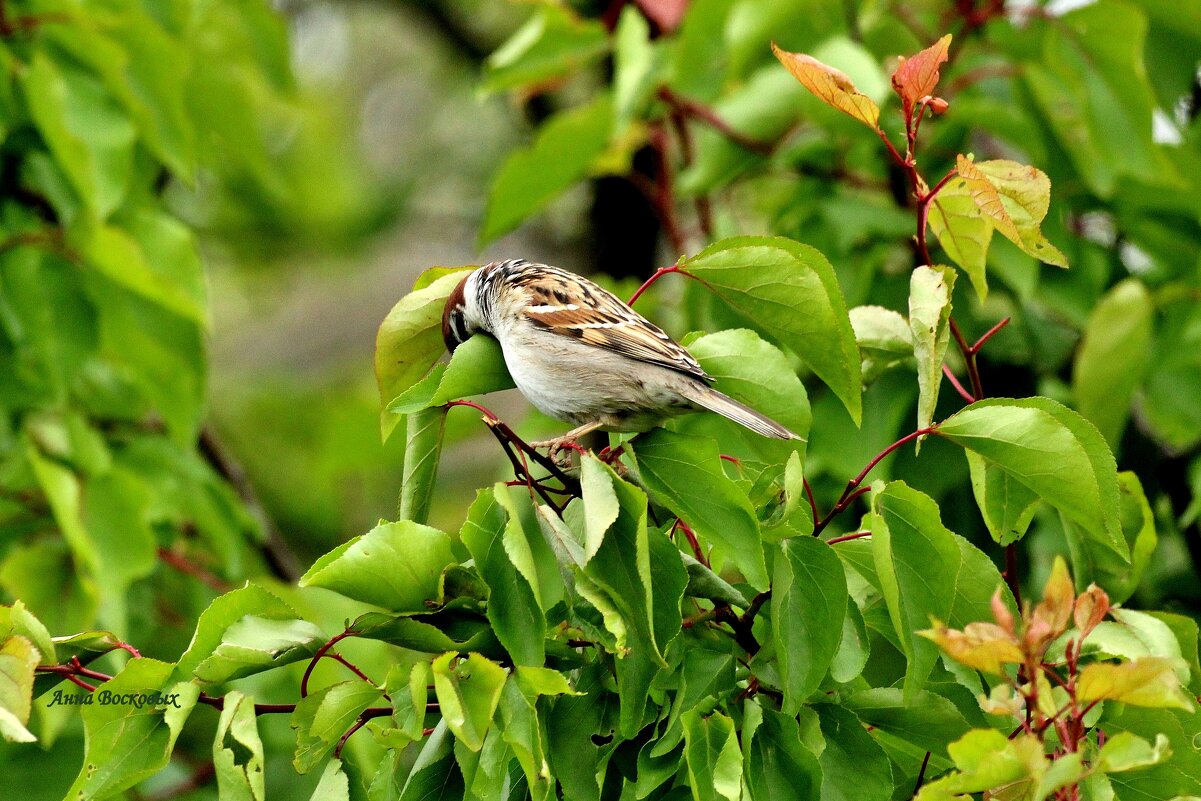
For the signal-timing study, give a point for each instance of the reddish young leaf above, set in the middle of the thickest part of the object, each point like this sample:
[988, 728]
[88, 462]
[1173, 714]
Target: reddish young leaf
[832, 86]
[1091, 608]
[666, 14]
[916, 76]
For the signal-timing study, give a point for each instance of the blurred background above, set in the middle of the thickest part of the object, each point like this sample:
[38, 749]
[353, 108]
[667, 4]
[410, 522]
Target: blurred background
[397, 147]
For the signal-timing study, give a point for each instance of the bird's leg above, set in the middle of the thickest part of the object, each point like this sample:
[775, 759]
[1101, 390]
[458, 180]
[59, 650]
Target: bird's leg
[558, 443]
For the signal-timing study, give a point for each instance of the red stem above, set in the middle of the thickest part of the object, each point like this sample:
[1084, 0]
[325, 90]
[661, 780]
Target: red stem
[488, 413]
[969, 358]
[697, 551]
[963, 393]
[190, 568]
[699, 111]
[812, 503]
[659, 273]
[308, 671]
[853, 491]
[846, 537]
[988, 335]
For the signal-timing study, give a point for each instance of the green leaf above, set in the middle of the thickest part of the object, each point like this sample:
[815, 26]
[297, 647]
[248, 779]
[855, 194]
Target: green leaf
[149, 253]
[1112, 357]
[883, 337]
[685, 474]
[423, 451]
[705, 675]
[220, 615]
[854, 767]
[395, 565]
[117, 506]
[522, 731]
[753, 371]
[146, 69]
[468, 694]
[929, 314]
[513, 608]
[256, 644]
[1179, 775]
[927, 720]
[431, 634]
[854, 647]
[87, 133]
[777, 764]
[1151, 681]
[788, 292]
[635, 60]
[1050, 450]
[128, 740]
[1014, 198]
[713, 756]
[334, 784]
[808, 604]
[476, 367]
[1173, 379]
[1124, 751]
[161, 354]
[601, 507]
[1133, 635]
[238, 751]
[926, 572]
[322, 717]
[555, 41]
[987, 760]
[524, 725]
[18, 659]
[526, 548]
[963, 231]
[434, 775]
[409, 340]
[18, 620]
[51, 322]
[1006, 504]
[562, 153]
[704, 583]
[575, 756]
[640, 579]
[1117, 566]
[44, 574]
[1091, 86]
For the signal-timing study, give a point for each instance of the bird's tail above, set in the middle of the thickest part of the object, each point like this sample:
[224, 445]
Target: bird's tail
[708, 398]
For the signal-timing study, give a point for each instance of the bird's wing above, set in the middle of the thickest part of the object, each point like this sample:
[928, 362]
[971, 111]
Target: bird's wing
[573, 306]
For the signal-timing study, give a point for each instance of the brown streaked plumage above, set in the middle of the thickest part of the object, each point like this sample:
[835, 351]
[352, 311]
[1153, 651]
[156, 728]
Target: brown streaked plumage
[581, 354]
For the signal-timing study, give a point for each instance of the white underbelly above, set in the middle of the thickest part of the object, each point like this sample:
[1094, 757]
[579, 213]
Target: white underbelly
[579, 383]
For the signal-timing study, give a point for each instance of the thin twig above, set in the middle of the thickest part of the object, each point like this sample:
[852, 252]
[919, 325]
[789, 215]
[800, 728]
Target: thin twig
[664, 195]
[846, 537]
[921, 774]
[699, 111]
[853, 490]
[190, 568]
[963, 393]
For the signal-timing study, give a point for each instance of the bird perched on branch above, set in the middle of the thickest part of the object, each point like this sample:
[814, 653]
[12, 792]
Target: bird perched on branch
[580, 354]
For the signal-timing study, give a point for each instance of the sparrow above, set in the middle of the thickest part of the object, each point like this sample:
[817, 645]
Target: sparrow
[581, 355]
